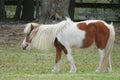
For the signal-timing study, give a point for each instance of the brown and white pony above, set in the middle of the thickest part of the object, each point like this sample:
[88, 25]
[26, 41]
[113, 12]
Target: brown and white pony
[68, 34]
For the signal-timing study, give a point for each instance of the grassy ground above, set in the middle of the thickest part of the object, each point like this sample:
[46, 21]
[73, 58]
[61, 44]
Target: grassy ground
[16, 64]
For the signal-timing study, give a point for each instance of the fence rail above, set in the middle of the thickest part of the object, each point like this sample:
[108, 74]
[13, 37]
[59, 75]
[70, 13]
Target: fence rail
[14, 2]
[96, 5]
[111, 6]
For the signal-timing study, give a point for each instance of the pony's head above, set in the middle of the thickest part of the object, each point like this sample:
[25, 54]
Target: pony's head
[30, 31]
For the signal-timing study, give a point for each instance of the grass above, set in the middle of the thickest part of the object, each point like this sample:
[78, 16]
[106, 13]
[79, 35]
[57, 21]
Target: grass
[17, 64]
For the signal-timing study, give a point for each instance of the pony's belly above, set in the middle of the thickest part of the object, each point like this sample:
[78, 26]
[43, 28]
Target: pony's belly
[75, 42]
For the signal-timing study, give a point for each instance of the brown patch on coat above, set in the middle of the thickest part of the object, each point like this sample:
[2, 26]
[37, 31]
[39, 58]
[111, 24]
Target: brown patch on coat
[59, 48]
[97, 32]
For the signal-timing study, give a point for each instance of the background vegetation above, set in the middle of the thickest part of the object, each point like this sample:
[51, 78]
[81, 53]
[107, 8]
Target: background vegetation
[48, 10]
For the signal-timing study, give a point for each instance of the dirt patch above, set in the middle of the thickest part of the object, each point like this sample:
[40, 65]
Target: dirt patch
[11, 34]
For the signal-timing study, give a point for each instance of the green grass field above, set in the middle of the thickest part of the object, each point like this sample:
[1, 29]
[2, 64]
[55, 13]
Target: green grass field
[17, 64]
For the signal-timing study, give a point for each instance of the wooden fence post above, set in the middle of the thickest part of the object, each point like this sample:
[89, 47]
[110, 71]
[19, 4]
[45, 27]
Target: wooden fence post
[71, 9]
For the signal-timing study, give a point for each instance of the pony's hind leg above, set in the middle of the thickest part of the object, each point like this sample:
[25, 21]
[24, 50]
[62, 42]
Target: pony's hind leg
[101, 54]
[109, 67]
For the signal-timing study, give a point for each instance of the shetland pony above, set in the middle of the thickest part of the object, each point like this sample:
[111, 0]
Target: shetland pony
[68, 34]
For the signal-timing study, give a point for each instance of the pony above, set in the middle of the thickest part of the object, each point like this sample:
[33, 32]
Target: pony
[67, 34]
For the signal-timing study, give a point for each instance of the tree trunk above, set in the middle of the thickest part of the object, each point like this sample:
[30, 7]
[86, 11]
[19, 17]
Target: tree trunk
[2, 11]
[18, 10]
[37, 10]
[71, 9]
[28, 10]
[54, 10]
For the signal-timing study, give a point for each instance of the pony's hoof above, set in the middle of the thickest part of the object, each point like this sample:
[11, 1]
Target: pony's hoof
[73, 71]
[55, 71]
[108, 70]
[98, 70]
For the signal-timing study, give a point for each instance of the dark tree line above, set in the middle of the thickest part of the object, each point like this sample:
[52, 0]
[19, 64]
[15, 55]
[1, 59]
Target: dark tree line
[2, 10]
[47, 11]
[24, 10]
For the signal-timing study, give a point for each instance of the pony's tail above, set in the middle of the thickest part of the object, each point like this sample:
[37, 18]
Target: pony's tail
[108, 49]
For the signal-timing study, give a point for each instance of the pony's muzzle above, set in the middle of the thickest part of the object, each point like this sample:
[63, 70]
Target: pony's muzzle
[24, 46]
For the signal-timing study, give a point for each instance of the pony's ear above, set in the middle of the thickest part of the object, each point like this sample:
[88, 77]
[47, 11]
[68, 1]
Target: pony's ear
[34, 31]
[32, 27]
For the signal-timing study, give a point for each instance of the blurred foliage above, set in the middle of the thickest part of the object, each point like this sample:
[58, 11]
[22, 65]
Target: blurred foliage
[10, 10]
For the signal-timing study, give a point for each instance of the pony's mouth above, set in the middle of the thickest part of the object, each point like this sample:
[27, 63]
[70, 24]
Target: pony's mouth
[24, 48]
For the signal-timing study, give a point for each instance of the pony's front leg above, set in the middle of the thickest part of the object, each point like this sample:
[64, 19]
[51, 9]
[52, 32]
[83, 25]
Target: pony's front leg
[57, 61]
[71, 61]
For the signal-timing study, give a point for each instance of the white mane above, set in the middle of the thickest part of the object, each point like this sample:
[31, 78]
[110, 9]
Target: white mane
[46, 35]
